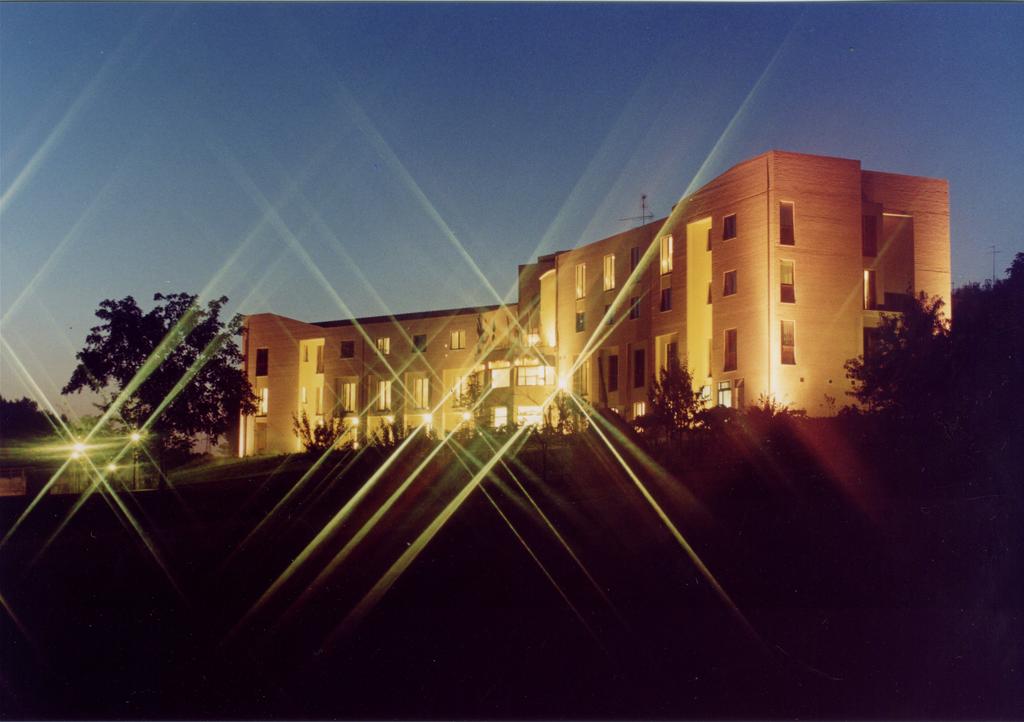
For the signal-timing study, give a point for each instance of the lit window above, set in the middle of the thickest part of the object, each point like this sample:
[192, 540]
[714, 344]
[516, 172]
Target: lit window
[634, 308]
[666, 299]
[729, 227]
[729, 287]
[634, 258]
[613, 373]
[533, 338]
[787, 236]
[501, 378]
[609, 272]
[725, 394]
[639, 409]
[869, 236]
[870, 292]
[383, 395]
[264, 405]
[458, 340]
[500, 416]
[535, 376]
[319, 359]
[581, 379]
[787, 290]
[262, 361]
[419, 342]
[348, 396]
[639, 368]
[529, 416]
[302, 395]
[730, 350]
[788, 342]
[581, 280]
[384, 345]
[581, 321]
[420, 393]
[666, 254]
[348, 349]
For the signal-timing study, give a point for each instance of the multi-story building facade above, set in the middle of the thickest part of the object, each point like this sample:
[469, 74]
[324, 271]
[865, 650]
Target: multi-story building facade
[764, 283]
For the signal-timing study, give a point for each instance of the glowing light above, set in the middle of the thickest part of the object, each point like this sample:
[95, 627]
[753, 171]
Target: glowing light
[389, 419]
[136, 437]
[563, 384]
[355, 445]
[428, 418]
[111, 466]
[75, 454]
[466, 416]
[354, 421]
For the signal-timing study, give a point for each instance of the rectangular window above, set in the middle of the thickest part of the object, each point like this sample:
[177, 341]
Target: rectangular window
[634, 308]
[500, 417]
[708, 247]
[639, 368]
[264, 404]
[869, 236]
[581, 379]
[303, 397]
[634, 258]
[788, 342]
[384, 345]
[870, 291]
[613, 373]
[609, 272]
[671, 354]
[581, 321]
[420, 393]
[666, 254]
[731, 348]
[666, 299]
[709, 293]
[383, 395]
[729, 227]
[348, 396]
[533, 338]
[787, 289]
[529, 415]
[787, 237]
[872, 338]
[305, 354]
[262, 361]
[639, 409]
[729, 286]
[348, 349]
[419, 342]
[501, 378]
[581, 280]
[535, 376]
[319, 359]
[725, 394]
[458, 340]
[319, 397]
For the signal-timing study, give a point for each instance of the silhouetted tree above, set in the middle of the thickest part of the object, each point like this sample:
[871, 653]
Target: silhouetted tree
[319, 437]
[20, 418]
[176, 366]
[674, 404]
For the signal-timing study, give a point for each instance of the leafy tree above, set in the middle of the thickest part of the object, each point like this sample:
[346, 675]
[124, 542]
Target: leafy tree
[20, 418]
[674, 404]
[321, 436]
[175, 368]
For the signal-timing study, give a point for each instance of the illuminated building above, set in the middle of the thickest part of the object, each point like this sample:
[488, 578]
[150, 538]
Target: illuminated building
[764, 282]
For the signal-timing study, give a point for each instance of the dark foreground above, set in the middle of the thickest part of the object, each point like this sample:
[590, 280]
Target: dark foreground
[866, 596]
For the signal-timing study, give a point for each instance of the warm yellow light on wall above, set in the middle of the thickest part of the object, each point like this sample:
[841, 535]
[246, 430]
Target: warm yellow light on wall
[354, 421]
[466, 416]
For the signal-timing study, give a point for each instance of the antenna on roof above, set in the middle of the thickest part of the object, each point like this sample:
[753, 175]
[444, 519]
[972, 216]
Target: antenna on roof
[994, 251]
[645, 215]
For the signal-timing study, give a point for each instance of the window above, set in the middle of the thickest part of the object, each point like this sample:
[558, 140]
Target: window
[729, 227]
[348, 349]
[533, 338]
[262, 361]
[319, 359]
[788, 342]
[305, 354]
[870, 292]
[264, 404]
[666, 299]
[501, 378]
[420, 393]
[500, 416]
[787, 291]
[869, 236]
[581, 321]
[725, 393]
[581, 379]
[709, 293]
[348, 396]
[872, 339]
[319, 397]
[639, 368]
[729, 287]
[458, 340]
[384, 345]
[634, 308]
[730, 350]
[634, 258]
[671, 354]
[529, 415]
[666, 254]
[708, 247]
[613, 373]
[639, 409]
[383, 395]
[609, 272]
[535, 376]
[581, 280]
[419, 342]
[302, 395]
[787, 237]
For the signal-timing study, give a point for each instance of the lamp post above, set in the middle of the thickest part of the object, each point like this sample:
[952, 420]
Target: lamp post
[135, 437]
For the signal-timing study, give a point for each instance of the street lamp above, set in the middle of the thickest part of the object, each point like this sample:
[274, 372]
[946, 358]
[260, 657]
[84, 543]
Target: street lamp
[135, 438]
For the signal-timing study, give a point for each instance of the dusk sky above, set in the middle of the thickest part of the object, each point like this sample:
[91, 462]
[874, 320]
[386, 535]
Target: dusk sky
[233, 149]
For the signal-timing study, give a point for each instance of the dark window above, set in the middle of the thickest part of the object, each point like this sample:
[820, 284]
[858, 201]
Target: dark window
[419, 342]
[709, 293]
[634, 307]
[613, 373]
[610, 316]
[671, 354]
[872, 339]
[786, 235]
[639, 368]
[869, 236]
[788, 342]
[729, 227]
[787, 289]
[666, 299]
[729, 287]
[634, 257]
[348, 349]
[730, 350]
[709, 238]
[262, 361]
[870, 292]
[581, 321]
[319, 359]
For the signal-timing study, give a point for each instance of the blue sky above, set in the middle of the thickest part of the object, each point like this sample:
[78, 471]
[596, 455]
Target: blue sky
[229, 148]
